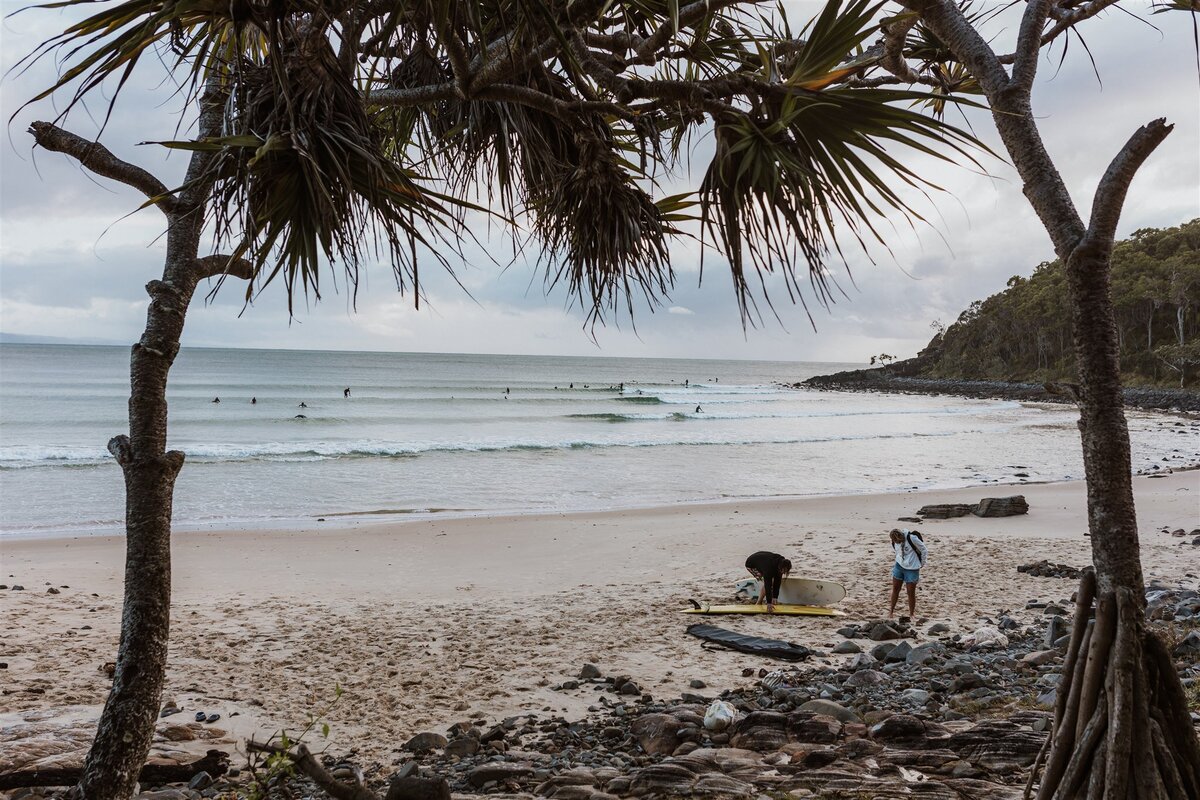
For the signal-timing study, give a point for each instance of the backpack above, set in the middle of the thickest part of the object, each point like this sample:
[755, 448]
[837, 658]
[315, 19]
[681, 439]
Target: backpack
[920, 556]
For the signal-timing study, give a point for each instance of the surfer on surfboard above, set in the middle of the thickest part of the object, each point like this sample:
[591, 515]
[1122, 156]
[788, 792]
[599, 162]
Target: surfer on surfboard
[769, 569]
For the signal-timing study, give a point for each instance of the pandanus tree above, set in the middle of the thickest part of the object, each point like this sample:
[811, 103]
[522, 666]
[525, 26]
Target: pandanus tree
[332, 134]
[1121, 725]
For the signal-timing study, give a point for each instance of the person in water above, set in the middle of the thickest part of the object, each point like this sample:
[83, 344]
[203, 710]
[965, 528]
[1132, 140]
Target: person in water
[699, 410]
[911, 554]
[346, 392]
[216, 399]
[253, 401]
[769, 569]
[303, 404]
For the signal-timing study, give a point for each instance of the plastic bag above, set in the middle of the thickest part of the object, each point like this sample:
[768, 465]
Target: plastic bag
[719, 716]
[987, 636]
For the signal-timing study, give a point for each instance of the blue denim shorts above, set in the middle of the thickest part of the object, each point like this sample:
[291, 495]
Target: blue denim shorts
[906, 575]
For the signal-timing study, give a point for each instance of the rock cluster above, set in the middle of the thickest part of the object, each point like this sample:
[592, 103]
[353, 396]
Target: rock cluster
[987, 507]
[1047, 569]
[893, 379]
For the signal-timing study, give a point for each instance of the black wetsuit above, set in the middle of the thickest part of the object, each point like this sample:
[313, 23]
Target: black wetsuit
[770, 567]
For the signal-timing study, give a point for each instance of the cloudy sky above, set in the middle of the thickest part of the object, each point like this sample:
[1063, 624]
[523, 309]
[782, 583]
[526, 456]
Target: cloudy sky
[73, 259]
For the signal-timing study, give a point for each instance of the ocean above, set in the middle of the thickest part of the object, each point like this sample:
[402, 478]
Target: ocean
[428, 434]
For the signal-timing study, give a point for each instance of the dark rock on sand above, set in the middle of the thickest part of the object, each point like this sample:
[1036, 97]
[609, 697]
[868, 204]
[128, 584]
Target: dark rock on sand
[1002, 506]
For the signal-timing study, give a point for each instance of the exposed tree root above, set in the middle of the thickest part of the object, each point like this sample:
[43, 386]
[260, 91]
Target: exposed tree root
[1121, 725]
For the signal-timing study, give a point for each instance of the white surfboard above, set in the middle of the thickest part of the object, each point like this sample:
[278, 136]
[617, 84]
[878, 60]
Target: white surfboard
[809, 592]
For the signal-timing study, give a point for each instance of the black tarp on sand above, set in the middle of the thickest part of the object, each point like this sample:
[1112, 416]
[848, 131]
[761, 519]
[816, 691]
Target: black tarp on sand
[756, 645]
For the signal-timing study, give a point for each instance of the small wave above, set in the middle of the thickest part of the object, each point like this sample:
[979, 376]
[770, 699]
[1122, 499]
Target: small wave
[322, 451]
[647, 399]
[608, 417]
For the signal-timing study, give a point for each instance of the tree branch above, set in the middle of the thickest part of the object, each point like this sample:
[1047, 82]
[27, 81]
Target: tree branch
[100, 160]
[1029, 41]
[1110, 193]
[304, 761]
[214, 265]
[894, 34]
[414, 96]
[948, 23]
[1064, 21]
[688, 15]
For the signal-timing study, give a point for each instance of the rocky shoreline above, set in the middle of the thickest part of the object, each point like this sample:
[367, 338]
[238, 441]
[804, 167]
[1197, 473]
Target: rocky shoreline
[883, 707]
[896, 380]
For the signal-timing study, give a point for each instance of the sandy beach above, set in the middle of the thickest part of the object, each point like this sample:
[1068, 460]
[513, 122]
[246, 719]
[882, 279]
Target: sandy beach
[426, 622]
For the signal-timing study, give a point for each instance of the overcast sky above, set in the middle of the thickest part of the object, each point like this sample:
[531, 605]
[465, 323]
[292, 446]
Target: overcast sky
[73, 261]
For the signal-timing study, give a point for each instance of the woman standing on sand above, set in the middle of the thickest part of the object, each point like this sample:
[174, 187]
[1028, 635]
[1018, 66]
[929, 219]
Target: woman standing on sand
[911, 553]
[770, 569]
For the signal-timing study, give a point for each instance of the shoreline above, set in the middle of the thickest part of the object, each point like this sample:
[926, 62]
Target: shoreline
[424, 623]
[360, 520]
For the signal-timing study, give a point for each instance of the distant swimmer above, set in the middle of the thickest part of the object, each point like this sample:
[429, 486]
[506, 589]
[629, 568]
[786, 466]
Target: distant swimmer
[699, 410]
[300, 416]
[253, 400]
[346, 392]
[216, 399]
[687, 382]
[572, 386]
[507, 390]
[303, 404]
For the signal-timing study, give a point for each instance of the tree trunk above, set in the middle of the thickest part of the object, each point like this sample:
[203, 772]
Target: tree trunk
[1121, 725]
[126, 726]
[127, 722]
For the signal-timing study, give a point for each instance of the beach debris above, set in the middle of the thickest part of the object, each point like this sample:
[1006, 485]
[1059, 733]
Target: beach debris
[1048, 569]
[987, 636]
[719, 715]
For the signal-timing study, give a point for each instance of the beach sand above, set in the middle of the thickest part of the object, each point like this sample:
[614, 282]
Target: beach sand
[424, 623]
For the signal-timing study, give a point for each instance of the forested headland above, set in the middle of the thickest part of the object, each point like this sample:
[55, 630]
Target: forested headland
[1023, 335]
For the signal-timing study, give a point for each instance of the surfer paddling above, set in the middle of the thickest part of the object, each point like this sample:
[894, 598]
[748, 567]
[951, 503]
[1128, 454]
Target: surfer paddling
[911, 554]
[769, 569]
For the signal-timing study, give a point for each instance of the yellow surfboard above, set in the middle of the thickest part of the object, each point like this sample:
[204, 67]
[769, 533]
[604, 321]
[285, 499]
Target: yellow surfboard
[780, 609]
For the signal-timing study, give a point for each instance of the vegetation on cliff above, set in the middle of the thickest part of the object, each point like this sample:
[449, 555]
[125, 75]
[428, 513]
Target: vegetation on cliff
[1024, 333]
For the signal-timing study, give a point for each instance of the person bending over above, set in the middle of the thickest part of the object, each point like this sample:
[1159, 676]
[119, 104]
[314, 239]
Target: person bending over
[911, 554]
[769, 569]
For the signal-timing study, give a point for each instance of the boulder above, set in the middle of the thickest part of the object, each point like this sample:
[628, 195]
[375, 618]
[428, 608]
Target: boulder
[846, 648]
[899, 653]
[1001, 506]
[867, 677]
[945, 510]
[998, 745]
[811, 728]
[1188, 645]
[425, 742]
[762, 731]
[499, 771]
[830, 709]
[415, 787]
[882, 631]
[656, 733]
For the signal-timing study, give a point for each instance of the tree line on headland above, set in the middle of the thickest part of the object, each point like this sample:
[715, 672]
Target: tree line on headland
[1022, 333]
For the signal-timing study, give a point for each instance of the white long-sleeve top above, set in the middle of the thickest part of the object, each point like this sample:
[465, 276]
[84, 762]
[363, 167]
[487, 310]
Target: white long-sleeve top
[911, 556]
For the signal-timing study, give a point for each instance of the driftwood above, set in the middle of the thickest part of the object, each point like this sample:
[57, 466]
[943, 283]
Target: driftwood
[403, 787]
[215, 763]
